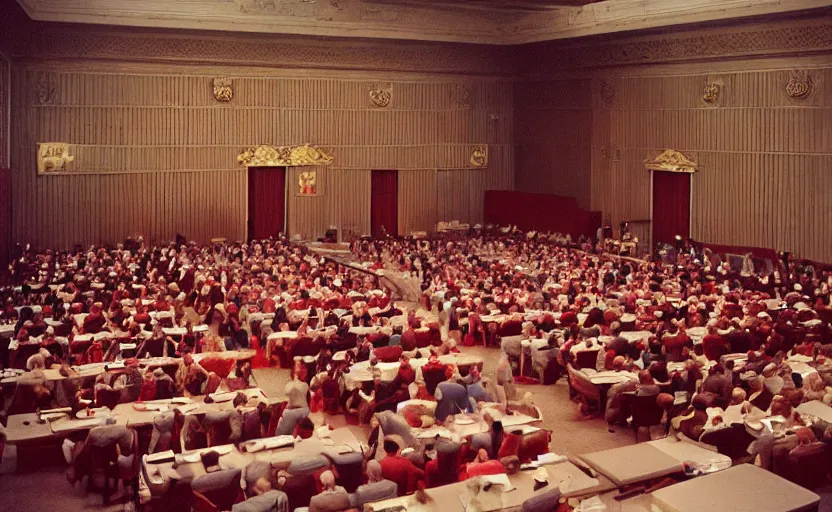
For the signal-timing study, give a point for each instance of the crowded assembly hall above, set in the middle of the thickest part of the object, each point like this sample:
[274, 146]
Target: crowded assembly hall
[425, 255]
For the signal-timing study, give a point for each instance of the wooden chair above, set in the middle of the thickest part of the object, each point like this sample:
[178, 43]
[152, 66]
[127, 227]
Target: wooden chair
[732, 441]
[646, 412]
[217, 491]
[586, 359]
[590, 393]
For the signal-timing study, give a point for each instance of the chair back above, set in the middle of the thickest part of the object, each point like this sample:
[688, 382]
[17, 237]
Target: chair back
[732, 441]
[586, 359]
[348, 470]
[534, 444]
[646, 411]
[582, 385]
[763, 399]
[808, 465]
[220, 489]
[433, 376]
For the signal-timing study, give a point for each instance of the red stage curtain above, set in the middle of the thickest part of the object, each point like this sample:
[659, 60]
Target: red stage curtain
[5, 218]
[266, 201]
[671, 206]
[384, 203]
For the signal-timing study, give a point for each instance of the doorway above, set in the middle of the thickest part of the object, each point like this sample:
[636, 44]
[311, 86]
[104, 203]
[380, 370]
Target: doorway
[266, 201]
[384, 203]
[671, 206]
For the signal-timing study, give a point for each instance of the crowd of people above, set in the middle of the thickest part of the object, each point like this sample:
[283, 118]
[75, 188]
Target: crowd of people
[719, 344]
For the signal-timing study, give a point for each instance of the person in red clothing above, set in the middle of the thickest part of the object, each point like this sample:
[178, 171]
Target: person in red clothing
[675, 342]
[714, 345]
[399, 469]
[482, 466]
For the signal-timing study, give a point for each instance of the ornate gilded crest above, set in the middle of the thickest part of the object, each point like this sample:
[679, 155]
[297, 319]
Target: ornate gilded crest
[479, 157]
[223, 90]
[462, 96]
[711, 92]
[800, 85]
[53, 157]
[671, 160]
[284, 156]
[45, 88]
[381, 95]
[308, 183]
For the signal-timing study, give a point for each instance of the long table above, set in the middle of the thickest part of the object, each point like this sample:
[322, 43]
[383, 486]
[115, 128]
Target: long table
[26, 428]
[96, 369]
[653, 459]
[449, 498]
[338, 441]
[361, 372]
[743, 487]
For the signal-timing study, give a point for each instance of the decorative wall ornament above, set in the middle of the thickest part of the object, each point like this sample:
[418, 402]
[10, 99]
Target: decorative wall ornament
[800, 85]
[604, 153]
[479, 157]
[256, 6]
[45, 87]
[617, 155]
[223, 90]
[308, 183]
[673, 161]
[607, 93]
[695, 45]
[381, 95]
[711, 92]
[462, 96]
[285, 156]
[53, 157]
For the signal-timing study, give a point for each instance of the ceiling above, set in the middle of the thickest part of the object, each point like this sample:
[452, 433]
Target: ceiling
[470, 21]
[498, 5]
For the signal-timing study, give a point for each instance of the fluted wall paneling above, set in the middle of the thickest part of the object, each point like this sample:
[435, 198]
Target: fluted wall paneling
[764, 157]
[156, 154]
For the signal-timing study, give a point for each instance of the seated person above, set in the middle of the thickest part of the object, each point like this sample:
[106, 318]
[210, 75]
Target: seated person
[646, 385]
[332, 498]
[482, 465]
[453, 399]
[129, 383]
[444, 469]
[377, 487]
[400, 470]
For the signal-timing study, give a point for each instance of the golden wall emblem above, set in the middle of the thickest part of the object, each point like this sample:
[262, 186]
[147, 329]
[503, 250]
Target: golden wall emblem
[711, 92]
[671, 160]
[381, 95]
[284, 156]
[53, 157]
[223, 90]
[800, 85]
[479, 157]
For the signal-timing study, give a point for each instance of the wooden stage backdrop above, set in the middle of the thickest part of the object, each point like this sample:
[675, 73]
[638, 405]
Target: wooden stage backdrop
[588, 114]
[156, 153]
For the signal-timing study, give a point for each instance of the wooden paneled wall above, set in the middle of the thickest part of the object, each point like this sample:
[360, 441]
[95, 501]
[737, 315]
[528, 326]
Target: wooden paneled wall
[765, 158]
[160, 152]
[5, 93]
[553, 135]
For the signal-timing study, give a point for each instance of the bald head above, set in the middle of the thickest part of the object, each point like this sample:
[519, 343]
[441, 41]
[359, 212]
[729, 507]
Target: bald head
[374, 471]
[328, 480]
